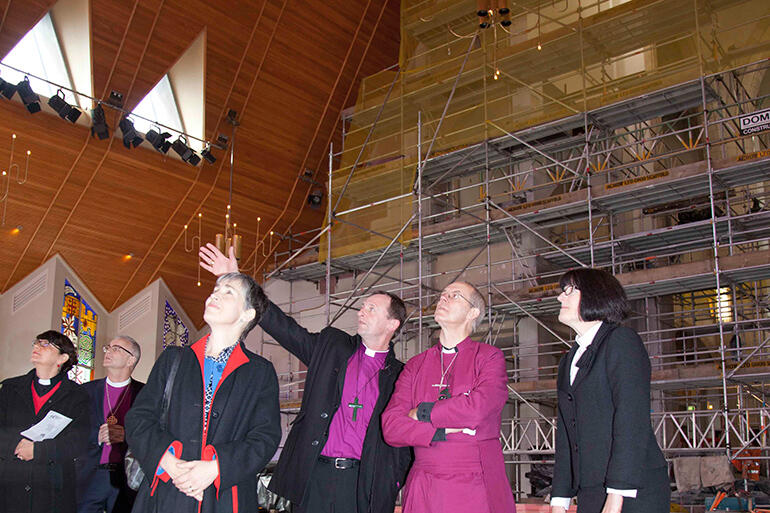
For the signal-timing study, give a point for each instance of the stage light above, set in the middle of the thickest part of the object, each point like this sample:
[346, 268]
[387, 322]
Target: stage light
[7, 89]
[99, 126]
[158, 140]
[194, 159]
[130, 136]
[64, 109]
[315, 198]
[181, 148]
[29, 97]
[206, 154]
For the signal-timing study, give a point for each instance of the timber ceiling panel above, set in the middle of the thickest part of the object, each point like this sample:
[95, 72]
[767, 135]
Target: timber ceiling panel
[287, 67]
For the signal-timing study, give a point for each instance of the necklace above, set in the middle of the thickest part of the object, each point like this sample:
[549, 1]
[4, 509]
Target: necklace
[355, 405]
[112, 419]
[444, 387]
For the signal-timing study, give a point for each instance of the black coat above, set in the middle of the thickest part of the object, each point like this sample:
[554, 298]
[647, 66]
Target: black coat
[95, 390]
[604, 436]
[382, 468]
[243, 430]
[46, 484]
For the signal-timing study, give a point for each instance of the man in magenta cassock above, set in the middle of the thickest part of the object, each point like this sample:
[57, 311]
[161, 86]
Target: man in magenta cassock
[448, 404]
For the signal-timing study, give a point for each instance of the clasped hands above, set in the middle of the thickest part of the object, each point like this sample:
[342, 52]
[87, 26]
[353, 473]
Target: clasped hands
[111, 434]
[190, 477]
[413, 415]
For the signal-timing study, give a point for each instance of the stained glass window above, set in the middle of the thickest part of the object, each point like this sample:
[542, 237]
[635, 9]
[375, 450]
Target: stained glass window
[175, 333]
[78, 323]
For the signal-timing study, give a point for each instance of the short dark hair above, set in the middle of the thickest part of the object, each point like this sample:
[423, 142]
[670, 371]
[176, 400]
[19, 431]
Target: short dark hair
[602, 297]
[64, 345]
[253, 297]
[396, 310]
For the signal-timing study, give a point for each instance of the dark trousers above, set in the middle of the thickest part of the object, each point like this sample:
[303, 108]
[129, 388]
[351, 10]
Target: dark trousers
[107, 491]
[655, 497]
[330, 490]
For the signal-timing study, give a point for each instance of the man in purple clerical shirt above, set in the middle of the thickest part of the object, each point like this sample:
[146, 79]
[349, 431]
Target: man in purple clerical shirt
[448, 405]
[335, 458]
[101, 477]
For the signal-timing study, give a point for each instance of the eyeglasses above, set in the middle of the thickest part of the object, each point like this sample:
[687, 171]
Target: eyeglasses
[568, 290]
[43, 343]
[114, 348]
[454, 295]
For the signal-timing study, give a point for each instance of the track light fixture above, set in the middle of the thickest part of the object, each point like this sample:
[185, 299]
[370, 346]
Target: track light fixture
[158, 139]
[29, 97]
[185, 152]
[7, 89]
[206, 154]
[99, 126]
[130, 136]
[64, 109]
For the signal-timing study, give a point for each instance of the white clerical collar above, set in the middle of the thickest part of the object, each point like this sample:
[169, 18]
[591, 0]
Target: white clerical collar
[118, 385]
[371, 353]
[44, 381]
[586, 338]
[448, 349]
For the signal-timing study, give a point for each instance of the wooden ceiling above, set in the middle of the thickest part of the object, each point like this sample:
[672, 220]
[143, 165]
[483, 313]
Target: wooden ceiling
[287, 67]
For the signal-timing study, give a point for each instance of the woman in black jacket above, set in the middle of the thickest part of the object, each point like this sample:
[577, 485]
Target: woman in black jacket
[38, 477]
[223, 419]
[606, 452]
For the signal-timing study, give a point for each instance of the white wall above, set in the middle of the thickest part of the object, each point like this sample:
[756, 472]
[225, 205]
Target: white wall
[40, 313]
[39, 300]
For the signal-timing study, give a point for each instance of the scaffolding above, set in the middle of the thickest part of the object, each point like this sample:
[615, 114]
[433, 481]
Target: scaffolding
[600, 133]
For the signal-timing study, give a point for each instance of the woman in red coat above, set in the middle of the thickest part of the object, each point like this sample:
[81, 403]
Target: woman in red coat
[223, 418]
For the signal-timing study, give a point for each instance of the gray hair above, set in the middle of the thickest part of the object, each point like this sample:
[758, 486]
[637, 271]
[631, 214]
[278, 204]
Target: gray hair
[253, 297]
[477, 300]
[136, 349]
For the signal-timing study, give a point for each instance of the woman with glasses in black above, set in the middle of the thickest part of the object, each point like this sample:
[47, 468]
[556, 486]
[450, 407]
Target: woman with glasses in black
[606, 452]
[38, 476]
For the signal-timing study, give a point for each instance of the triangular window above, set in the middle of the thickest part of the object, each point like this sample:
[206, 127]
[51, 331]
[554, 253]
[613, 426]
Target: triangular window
[57, 49]
[38, 53]
[177, 100]
[160, 106]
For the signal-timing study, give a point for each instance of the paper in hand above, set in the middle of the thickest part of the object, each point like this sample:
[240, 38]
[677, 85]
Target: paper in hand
[51, 425]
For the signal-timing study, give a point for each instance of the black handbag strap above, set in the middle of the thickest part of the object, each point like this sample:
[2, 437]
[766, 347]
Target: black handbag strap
[167, 389]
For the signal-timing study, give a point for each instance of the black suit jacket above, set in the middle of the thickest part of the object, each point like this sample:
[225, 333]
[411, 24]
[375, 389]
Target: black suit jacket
[604, 435]
[383, 467]
[95, 390]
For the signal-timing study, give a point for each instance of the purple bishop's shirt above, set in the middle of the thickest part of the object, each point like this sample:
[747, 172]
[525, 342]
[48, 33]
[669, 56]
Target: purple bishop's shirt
[346, 436]
[114, 453]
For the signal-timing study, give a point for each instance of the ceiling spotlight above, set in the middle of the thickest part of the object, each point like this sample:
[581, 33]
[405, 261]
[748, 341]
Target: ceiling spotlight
[158, 139]
[184, 151]
[315, 198]
[99, 126]
[29, 97]
[115, 99]
[7, 89]
[181, 148]
[64, 109]
[206, 154]
[130, 136]
[194, 159]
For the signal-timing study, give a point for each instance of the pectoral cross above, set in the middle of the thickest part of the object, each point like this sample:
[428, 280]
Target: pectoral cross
[356, 406]
[111, 420]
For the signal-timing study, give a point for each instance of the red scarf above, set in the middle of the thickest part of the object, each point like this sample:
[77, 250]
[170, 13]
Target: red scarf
[39, 401]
